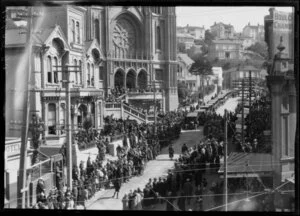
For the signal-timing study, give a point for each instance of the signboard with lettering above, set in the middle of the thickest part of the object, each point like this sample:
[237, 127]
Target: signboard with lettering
[283, 21]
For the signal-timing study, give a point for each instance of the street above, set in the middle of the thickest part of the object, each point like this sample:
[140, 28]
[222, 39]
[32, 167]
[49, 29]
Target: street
[229, 105]
[154, 168]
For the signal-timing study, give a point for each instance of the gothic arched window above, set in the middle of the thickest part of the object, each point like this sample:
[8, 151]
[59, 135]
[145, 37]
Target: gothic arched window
[97, 30]
[158, 38]
[124, 38]
[88, 75]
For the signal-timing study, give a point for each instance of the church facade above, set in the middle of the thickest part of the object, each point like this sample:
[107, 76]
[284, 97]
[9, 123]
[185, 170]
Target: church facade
[113, 47]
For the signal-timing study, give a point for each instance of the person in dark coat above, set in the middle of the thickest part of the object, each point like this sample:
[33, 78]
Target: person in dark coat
[131, 200]
[181, 202]
[125, 202]
[117, 186]
[75, 194]
[40, 187]
[184, 148]
[188, 190]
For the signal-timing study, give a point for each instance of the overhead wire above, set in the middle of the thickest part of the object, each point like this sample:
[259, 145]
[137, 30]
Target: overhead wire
[273, 190]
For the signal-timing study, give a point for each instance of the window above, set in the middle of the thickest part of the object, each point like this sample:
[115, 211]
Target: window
[101, 73]
[227, 54]
[286, 135]
[73, 31]
[78, 32]
[88, 74]
[158, 74]
[97, 30]
[55, 73]
[37, 63]
[49, 70]
[158, 38]
[79, 72]
[51, 119]
[62, 118]
[93, 76]
[76, 73]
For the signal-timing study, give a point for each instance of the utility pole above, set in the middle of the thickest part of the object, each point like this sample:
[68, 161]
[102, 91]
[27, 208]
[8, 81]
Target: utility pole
[250, 94]
[68, 122]
[225, 164]
[22, 178]
[243, 112]
[155, 120]
[66, 70]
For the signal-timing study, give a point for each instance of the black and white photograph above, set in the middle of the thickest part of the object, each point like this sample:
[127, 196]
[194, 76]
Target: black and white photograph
[151, 107]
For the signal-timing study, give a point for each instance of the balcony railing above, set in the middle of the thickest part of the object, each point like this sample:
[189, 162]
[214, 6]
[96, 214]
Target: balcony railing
[134, 112]
[113, 105]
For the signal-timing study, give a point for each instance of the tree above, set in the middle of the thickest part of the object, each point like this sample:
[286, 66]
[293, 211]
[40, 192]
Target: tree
[201, 66]
[182, 91]
[209, 37]
[260, 48]
[181, 47]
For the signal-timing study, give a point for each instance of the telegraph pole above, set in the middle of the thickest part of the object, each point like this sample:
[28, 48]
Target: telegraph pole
[22, 178]
[66, 70]
[225, 164]
[155, 120]
[68, 122]
[250, 94]
[243, 112]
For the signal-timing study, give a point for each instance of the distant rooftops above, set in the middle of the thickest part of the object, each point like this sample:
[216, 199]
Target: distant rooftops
[225, 25]
[185, 58]
[186, 35]
[190, 27]
[227, 41]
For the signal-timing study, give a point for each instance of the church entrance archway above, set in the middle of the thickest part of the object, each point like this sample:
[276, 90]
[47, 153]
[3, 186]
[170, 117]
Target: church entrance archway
[142, 79]
[131, 79]
[119, 79]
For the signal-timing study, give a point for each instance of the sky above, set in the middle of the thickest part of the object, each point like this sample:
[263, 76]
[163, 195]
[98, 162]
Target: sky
[236, 16]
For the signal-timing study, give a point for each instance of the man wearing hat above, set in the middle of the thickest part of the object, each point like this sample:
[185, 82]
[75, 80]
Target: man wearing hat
[188, 189]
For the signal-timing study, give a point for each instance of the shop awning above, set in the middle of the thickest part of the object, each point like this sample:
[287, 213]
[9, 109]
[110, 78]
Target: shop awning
[53, 152]
[248, 165]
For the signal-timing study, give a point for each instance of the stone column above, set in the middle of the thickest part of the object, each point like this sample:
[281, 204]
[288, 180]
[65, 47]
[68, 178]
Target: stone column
[292, 116]
[275, 84]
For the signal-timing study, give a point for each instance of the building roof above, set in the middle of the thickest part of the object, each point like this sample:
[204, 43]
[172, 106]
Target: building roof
[227, 41]
[50, 151]
[252, 163]
[185, 35]
[185, 58]
[249, 68]
[221, 23]
[18, 37]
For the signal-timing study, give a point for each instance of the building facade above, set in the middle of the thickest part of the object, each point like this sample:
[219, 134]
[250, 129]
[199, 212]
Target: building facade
[282, 85]
[191, 81]
[225, 50]
[196, 31]
[257, 32]
[278, 24]
[122, 47]
[186, 39]
[222, 31]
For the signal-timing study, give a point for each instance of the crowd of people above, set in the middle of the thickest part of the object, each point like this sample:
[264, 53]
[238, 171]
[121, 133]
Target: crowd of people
[101, 174]
[254, 139]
